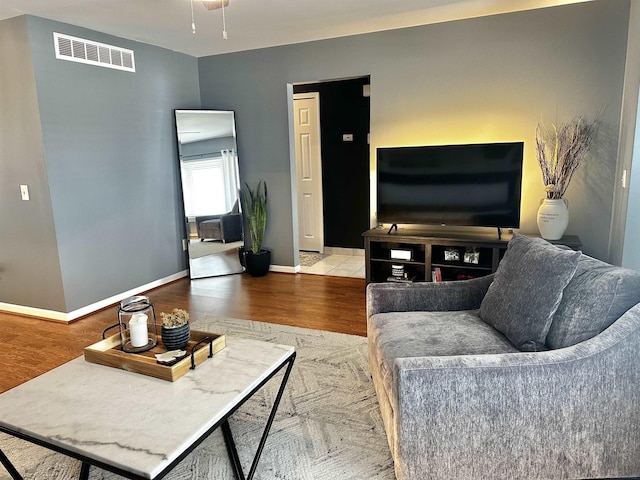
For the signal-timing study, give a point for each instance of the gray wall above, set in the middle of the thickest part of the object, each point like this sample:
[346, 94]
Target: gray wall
[478, 80]
[111, 165]
[29, 266]
[627, 223]
[97, 146]
[631, 255]
[206, 147]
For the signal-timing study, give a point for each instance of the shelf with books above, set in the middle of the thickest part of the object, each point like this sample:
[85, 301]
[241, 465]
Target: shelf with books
[381, 269]
[411, 253]
[448, 273]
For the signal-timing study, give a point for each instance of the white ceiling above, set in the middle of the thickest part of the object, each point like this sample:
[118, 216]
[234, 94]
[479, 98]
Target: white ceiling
[197, 125]
[255, 23]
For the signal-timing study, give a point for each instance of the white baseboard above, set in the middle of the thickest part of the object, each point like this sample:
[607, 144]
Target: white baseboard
[34, 312]
[284, 269]
[81, 312]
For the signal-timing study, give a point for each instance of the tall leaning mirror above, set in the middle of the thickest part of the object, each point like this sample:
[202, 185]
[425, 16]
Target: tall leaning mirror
[208, 158]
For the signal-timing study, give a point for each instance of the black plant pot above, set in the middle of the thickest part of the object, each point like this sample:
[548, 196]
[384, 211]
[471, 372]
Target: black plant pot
[241, 256]
[257, 264]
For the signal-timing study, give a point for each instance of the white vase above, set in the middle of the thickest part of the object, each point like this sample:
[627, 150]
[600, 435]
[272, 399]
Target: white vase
[553, 218]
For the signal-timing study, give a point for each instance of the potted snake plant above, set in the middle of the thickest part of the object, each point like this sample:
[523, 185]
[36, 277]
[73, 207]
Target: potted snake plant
[254, 205]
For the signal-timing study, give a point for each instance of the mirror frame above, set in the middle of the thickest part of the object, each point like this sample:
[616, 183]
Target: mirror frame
[208, 137]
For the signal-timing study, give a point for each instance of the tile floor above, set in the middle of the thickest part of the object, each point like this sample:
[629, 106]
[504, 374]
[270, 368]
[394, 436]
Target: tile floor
[338, 265]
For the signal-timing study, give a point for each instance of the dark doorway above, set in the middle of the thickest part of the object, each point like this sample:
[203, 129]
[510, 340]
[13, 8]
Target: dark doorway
[344, 127]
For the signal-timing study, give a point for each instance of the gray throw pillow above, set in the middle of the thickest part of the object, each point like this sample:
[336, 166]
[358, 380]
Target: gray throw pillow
[527, 290]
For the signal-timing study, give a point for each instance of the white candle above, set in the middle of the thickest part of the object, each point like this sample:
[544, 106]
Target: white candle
[138, 330]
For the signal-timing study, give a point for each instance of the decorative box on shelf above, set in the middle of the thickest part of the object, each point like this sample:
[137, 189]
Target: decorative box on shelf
[202, 345]
[401, 254]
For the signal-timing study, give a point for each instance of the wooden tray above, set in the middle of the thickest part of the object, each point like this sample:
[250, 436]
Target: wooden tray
[109, 352]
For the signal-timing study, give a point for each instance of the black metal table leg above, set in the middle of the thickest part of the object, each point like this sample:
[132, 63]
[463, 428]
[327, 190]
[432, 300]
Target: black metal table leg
[84, 471]
[230, 443]
[9, 466]
[232, 451]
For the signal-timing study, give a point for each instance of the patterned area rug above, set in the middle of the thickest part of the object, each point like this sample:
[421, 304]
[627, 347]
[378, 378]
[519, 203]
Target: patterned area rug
[328, 426]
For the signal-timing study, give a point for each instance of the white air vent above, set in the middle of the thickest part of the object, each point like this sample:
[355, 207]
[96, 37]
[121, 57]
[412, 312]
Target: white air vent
[87, 51]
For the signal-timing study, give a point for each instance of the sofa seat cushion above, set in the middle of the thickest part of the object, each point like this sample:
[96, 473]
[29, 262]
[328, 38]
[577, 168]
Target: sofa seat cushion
[597, 295]
[527, 289]
[425, 334]
[211, 229]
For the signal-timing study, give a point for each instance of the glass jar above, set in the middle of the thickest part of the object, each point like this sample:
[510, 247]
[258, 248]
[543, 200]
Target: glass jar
[137, 323]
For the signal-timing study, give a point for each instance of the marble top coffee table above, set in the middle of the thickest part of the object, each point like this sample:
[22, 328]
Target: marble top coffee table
[137, 426]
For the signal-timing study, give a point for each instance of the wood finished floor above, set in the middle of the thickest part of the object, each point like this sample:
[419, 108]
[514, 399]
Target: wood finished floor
[30, 347]
[224, 263]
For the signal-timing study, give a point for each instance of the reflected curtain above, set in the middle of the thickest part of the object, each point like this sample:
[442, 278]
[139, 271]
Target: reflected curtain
[231, 176]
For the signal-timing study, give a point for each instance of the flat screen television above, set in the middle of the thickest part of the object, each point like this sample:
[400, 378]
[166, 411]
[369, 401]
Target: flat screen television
[462, 185]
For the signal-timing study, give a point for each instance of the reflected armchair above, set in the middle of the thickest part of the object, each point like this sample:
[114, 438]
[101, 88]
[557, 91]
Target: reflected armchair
[226, 227]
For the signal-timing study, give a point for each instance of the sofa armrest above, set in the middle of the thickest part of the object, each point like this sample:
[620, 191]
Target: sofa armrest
[426, 296]
[569, 413]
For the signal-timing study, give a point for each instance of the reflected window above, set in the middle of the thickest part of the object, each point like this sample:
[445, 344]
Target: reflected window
[204, 192]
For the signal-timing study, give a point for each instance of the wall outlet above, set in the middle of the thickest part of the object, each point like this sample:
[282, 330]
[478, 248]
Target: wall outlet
[24, 192]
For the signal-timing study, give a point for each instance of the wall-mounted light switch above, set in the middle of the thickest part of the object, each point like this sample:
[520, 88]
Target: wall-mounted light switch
[24, 192]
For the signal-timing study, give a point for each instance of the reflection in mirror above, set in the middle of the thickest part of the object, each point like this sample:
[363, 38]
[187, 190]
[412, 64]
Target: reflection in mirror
[210, 182]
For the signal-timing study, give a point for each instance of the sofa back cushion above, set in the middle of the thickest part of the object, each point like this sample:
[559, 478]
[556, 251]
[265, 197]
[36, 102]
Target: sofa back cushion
[527, 289]
[597, 295]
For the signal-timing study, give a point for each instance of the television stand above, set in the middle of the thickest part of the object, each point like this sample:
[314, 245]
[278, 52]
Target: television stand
[428, 255]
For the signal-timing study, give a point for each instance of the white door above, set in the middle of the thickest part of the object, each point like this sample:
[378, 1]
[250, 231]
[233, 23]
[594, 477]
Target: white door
[309, 171]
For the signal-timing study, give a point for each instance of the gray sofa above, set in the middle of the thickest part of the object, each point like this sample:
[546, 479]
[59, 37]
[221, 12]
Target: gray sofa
[530, 373]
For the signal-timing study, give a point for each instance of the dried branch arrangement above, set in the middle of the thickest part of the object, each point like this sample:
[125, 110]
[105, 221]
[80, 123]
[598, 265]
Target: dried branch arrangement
[562, 150]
